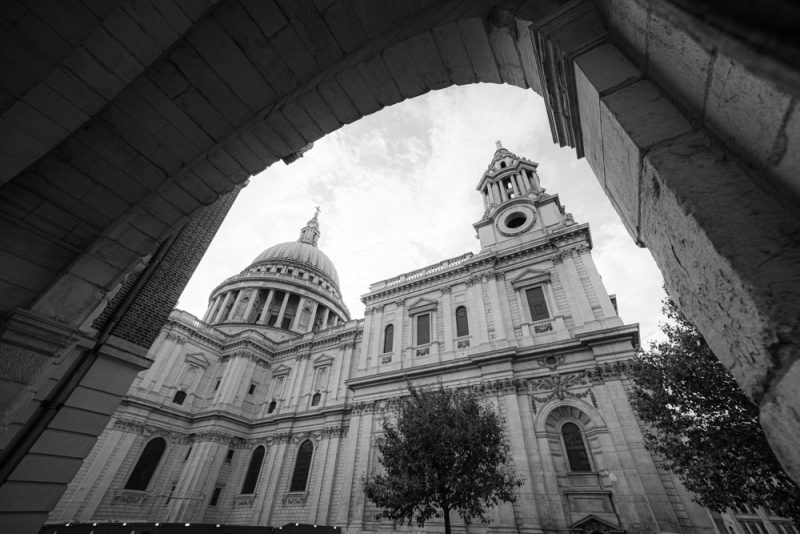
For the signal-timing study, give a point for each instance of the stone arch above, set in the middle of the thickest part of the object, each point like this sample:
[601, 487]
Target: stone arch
[588, 420]
[557, 410]
[94, 188]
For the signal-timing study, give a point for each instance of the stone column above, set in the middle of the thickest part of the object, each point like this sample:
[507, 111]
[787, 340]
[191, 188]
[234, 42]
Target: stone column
[364, 439]
[343, 518]
[283, 309]
[475, 301]
[447, 312]
[273, 462]
[515, 186]
[597, 282]
[580, 308]
[94, 484]
[522, 182]
[252, 302]
[326, 507]
[299, 382]
[262, 319]
[197, 478]
[236, 303]
[500, 330]
[525, 508]
[313, 319]
[171, 344]
[325, 315]
[212, 308]
[232, 378]
[301, 302]
[365, 338]
[162, 373]
[225, 300]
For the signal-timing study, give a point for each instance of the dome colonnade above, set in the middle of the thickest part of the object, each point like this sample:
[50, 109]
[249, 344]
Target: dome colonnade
[291, 286]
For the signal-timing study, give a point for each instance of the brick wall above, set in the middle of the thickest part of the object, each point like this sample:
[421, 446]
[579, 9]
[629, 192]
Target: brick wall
[156, 299]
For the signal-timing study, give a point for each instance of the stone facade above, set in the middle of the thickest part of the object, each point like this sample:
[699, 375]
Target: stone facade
[269, 410]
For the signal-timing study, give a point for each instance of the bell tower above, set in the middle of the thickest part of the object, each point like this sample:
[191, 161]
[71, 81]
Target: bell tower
[518, 209]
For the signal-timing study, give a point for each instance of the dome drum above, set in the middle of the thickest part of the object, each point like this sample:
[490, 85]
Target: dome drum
[293, 287]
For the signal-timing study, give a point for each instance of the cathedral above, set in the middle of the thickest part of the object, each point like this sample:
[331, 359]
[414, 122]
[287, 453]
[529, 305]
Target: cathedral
[268, 410]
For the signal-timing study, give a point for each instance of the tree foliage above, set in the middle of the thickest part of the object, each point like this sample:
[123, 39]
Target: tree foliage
[705, 427]
[444, 451]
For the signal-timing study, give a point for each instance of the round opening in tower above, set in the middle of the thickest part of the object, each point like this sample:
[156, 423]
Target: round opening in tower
[515, 219]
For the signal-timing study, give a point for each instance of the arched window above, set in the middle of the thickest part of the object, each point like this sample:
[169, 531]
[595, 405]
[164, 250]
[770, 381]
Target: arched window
[302, 466]
[251, 478]
[576, 449]
[179, 397]
[388, 338]
[272, 405]
[316, 398]
[462, 325]
[146, 466]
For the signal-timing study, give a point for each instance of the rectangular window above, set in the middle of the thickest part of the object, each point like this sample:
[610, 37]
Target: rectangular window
[215, 496]
[251, 389]
[423, 329]
[536, 303]
[216, 386]
[229, 456]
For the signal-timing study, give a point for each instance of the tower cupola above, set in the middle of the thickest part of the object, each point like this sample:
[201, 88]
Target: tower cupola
[518, 210]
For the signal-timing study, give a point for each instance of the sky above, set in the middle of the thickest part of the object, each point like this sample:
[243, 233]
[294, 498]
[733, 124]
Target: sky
[397, 192]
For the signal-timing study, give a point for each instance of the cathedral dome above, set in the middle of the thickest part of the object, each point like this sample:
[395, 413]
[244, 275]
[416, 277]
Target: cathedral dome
[290, 287]
[303, 253]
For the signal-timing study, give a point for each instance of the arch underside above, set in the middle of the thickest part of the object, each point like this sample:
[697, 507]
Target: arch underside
[129, 128]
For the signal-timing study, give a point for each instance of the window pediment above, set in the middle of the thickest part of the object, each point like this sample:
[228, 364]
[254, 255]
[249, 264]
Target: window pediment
[422, 305]
[531, 277]
[281, 370]
[198, 358]
[323, 360]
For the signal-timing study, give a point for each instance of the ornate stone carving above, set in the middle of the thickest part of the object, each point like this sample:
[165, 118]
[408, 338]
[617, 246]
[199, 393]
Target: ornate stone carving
[175, 338]
[559, 386]
[295, 498]
[542, 328]
[463, 344]
[423, 352]
[446, 290]
[551, 362]
[474, 279]
[386, 359]
[241, 501]
[134, 497]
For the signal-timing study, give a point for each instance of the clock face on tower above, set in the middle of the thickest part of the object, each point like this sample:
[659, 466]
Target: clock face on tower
[515, 220]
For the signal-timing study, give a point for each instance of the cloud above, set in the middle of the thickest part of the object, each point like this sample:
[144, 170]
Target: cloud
[397, 192]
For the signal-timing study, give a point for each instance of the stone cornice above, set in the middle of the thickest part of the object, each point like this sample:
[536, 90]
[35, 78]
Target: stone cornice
[552, 244]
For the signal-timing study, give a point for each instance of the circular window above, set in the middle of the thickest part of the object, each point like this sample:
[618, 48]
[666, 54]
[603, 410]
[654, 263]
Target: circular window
[515, 220]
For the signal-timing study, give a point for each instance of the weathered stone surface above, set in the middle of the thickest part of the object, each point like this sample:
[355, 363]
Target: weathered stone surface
[677, 63]
[596, 72]
[785, 156]
[632, 120]
[747, 113]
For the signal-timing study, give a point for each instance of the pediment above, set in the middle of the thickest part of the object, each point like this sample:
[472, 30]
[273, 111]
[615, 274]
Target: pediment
[530, 277]
[421, 305]
[323, 360]
[591, 523]
[281, 370]
[197, 358]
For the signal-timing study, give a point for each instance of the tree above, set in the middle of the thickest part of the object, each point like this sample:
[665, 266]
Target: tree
[444, 451]
[704, 426]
